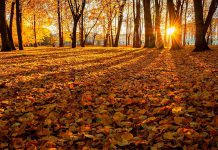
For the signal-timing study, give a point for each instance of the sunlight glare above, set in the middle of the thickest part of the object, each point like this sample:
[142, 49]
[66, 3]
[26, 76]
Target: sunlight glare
[171, 30]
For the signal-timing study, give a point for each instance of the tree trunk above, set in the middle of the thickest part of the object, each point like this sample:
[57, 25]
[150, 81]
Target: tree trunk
[7, 44]
[149, 36]
[82, 41]
[201, 28]
[11, 16]
[74, 33]
[61, 42]
[136, 12]
[106, 39]
[34, 30]
[165, 31]
[111, 35]
[19, 24]
[11, 38]
[159, 40]
[174, 22]
[185, 25]
[120, 21]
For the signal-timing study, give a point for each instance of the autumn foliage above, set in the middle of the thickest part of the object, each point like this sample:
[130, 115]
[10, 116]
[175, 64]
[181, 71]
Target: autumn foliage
[108, 98]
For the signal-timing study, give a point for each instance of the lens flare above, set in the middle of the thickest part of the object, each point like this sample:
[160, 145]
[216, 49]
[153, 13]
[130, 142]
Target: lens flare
[171, 30]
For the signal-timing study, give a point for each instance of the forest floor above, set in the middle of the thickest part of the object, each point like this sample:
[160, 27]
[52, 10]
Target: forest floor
[108, 98]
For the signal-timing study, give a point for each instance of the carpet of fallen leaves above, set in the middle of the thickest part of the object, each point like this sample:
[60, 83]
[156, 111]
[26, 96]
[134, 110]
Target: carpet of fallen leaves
[108, 98]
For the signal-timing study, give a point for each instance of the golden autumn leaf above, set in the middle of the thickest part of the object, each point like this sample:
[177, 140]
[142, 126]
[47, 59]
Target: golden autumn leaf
[127, 136]
[118, 117]
[169, 135]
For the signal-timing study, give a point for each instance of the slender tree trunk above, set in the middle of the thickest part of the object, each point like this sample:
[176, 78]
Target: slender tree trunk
[149, 36]
[11, 16]
[185, 25]
[34, 31]
[19, 24]
[159, 40]
[127, 25]
[82, 41]
[111, 35]
[120, 21]
[61, 42]
[106, 39]
[136, 13]
[11, 24]
[166, 27]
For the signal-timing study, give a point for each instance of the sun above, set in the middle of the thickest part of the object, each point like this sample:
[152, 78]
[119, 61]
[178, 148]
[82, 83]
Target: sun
[170, 30]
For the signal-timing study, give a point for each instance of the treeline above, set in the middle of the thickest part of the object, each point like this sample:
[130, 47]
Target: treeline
[106, 19]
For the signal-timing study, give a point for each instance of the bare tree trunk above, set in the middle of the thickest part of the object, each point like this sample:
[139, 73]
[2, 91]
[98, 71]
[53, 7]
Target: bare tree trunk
[76, 10]
[185, 25]
[136, 14]
[11, 16]
[74, 33]
[201, 26]
[166, 27]
[82, 43]
[127, 26]
[120, 21]
[11, 24]
[19, 24]
[34, 30]
[111, 36]
[149, 36]
[6, 42]
[61, 42]
[159, 40]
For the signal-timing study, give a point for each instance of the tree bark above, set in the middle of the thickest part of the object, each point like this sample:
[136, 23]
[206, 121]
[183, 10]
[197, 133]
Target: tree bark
[34, 31]
[61, 42]
[201, 26]
[166, 27]
[11, 16]
[120, 21]
[136, 15]
[82, 41]
[19, 24]
[185, 25]
[7, 44]
[77, 11]
[149, 36]
[159, 40]
[74, 33]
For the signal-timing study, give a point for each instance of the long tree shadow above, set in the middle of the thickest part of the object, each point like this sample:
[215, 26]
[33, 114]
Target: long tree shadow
[39, 57]
[51, 93]
[133, 63]
[55, 67]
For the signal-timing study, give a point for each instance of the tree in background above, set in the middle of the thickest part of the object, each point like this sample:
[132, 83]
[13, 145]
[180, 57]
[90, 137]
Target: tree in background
[77, 9]
[175, 21]
[149, 36]
[120, 21]
[159, 40]
[136, 18]
[201, 25]
[19, 23]
[61, 39]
